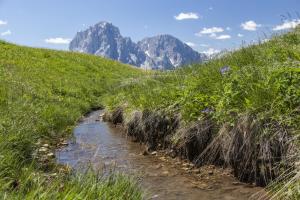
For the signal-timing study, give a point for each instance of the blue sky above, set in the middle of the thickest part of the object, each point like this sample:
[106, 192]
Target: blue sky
[206, 25]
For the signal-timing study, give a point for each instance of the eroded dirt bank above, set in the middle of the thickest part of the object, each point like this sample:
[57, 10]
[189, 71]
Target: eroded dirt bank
[105, 146]
[253, 157]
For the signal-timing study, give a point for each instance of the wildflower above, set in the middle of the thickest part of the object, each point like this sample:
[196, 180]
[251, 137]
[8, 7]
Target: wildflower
[224, 69]
[207, 110]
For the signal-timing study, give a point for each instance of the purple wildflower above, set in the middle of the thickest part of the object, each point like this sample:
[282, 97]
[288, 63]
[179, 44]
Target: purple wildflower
[224, 69]
[207, 110]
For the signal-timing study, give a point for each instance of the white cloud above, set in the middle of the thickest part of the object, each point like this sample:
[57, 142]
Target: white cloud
[58, 40]
[212, 31]
[250, 25]
[190, 15]
[219, 37]
[228, 28]
[211, 51]
[213, 35]
[240, 35]
[287, 25]
[204, 45]
[6, 33]
[3, 22]
[210, 8]
[223, 37]
[191, 44]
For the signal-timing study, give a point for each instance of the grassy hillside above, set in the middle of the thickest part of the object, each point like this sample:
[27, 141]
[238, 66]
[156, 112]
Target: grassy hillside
[42, 95]
[241, 110]
[251, 97]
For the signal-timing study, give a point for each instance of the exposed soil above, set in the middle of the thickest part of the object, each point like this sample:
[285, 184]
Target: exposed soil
[107, 147]
[254, 156]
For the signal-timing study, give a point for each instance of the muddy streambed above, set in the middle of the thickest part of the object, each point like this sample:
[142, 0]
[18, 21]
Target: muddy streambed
[105, 147]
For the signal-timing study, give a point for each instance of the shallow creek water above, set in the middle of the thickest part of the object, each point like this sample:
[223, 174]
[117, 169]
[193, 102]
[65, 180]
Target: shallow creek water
[103, 146]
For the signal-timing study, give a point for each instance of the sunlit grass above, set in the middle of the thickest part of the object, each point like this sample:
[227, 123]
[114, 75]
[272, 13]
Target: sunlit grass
[42, 95]
[261, 80]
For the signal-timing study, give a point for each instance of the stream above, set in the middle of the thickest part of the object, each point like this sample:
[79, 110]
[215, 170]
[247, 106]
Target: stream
[103, 146]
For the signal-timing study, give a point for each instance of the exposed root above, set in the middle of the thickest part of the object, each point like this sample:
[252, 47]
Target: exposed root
[287, 185]
[116, 117]
[254, 149]
[152, 128]
[195, 139]
[135, 127]
[217, 150]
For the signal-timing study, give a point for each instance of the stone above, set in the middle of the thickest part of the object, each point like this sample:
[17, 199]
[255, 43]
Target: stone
[185, 168]
[163, 52]
[196, 171]
[154, 196]
[64, 143]
[165, 173]
[50, 155]
[43, 149]
[163, 158]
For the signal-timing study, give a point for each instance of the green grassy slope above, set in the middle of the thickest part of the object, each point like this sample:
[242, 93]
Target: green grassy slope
[42, 94]
[263, 79]
[263, 82]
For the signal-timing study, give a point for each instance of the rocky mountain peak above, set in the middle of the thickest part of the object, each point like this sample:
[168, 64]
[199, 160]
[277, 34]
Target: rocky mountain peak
[158, 52]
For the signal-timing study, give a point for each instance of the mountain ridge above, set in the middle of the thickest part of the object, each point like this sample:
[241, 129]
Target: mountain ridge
[163, 51]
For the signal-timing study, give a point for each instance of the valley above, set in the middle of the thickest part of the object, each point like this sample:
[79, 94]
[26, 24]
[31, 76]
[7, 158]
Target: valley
[229, 126]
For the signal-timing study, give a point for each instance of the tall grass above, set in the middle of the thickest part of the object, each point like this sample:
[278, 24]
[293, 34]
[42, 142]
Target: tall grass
[42, 95]
[89, 185]
[261, 81]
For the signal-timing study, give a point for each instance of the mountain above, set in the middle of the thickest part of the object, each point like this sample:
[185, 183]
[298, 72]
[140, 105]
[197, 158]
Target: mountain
[159, 52]
[168, 52]
[104, 39]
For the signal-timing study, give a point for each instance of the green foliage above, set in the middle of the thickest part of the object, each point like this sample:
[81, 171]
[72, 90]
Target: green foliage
[42, 94]
[263, 80]
[88, 185]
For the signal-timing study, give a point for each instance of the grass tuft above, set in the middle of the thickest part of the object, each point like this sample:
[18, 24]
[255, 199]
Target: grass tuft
[42, 95]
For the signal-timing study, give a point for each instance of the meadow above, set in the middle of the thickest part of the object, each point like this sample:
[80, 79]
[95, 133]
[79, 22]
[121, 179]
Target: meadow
[42, 95]
[250, 96]
[241, 110]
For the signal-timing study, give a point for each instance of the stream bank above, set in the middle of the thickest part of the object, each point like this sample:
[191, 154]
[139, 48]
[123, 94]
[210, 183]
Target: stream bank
[254, 156]
[106, 147]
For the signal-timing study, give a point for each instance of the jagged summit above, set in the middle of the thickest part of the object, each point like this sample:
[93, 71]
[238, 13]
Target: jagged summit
[158, 52]
[167, 51]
